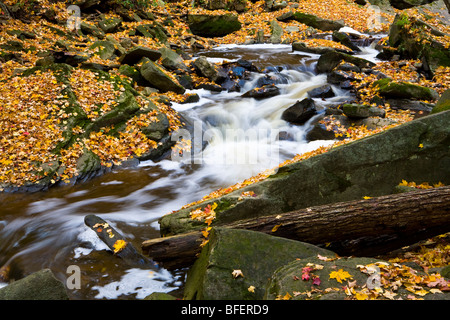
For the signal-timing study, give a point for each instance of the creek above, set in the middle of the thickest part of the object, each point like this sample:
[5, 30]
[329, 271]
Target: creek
[239, 138]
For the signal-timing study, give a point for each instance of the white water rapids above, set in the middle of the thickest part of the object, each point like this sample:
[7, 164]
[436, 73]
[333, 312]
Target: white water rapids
[46, 230]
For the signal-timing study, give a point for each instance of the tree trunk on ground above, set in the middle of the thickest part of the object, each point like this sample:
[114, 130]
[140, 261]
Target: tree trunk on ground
[363, 227]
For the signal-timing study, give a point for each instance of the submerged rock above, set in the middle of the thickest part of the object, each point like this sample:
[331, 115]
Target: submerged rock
[300, 112]
[263, 92]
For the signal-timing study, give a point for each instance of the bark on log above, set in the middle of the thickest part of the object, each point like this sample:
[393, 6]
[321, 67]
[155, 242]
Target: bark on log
[363, 227]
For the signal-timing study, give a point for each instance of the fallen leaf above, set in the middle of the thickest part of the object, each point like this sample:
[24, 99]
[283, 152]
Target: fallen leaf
[237, 273]
[340, 275]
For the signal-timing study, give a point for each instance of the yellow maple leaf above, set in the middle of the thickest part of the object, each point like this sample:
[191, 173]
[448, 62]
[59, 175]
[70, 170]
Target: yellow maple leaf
[119, 245]
[361, 296]
[340, 275]
[251, 289]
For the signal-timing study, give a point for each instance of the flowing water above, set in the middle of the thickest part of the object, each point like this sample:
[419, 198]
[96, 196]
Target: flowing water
[241, 137]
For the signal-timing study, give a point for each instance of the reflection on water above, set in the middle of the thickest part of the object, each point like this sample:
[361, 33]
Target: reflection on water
[46, 229]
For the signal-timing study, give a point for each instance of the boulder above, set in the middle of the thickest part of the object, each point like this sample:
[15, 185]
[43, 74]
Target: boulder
[413, 105]
[205, 68]
[109, 25]
[417, 40]
[371, 166]
[263, 92]
[300, 112]
[313, 21]
[324, 91]
[276, 32]
[154, 30]
[105, 49]
[172, 60]
[358, 111]
[92, 30]
[255, 254]
[159, 78]
[443, 102]
[404, 90]
[301, 46]
[345, 40]
[135, 55]
[213, 25]
[406, 4]
[328, 61]
[41, 285]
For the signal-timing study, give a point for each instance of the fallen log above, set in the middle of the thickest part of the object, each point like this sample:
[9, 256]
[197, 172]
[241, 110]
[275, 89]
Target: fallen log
[364, 227]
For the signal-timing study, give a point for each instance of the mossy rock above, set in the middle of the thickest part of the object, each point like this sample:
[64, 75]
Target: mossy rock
[443, 103]
[288, 278]
[106, 49]
[256, 254]
[41, 285]
[213, 25]
[404, 90]
[160, 78]
[422, 44]
[316, 22]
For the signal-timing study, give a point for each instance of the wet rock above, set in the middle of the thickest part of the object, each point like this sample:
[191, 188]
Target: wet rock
[324, 91]
[213, 25]
[211, 276]
[263, 92]
[358, 111]
[341, 78]
[159, 78]
[41, 285]
[135, 55]
[300, 112]
[319, 131]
